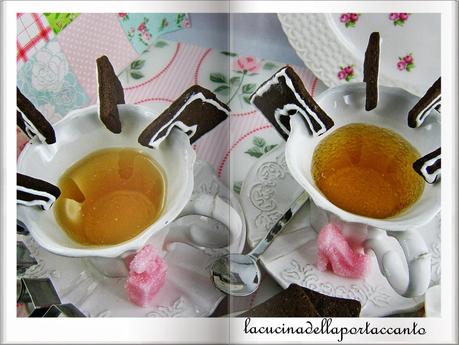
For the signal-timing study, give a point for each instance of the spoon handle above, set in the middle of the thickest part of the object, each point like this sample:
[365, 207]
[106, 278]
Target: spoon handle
[279, 226]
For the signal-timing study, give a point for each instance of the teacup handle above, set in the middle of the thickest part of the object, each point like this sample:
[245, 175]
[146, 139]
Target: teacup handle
[210, 206]
[391, 265]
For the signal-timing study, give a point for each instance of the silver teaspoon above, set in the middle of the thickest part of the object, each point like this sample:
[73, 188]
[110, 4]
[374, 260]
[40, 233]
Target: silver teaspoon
[197, 231]
[238, 274]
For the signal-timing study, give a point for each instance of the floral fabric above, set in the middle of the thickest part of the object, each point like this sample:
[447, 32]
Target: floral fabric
[47, 80]
[142, 29]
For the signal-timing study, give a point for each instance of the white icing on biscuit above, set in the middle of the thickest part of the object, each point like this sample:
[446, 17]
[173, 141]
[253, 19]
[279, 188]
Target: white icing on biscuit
[427, 109]
[430, 178]
[30, 128]
[37, 202]
[189, 130]
[155, 141]
[278, 112]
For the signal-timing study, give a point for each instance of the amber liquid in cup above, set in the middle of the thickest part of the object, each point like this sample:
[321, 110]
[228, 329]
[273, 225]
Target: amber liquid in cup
[367, 170]
[110, 196]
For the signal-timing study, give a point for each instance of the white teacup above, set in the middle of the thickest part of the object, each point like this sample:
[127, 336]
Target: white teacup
[346, 104]
[80, 133]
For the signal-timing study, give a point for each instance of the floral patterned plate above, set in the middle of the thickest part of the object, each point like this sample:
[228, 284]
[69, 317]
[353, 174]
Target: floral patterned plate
[188, 291]
[233, 78]
[266, 193]
[154, 60]
[333, 46]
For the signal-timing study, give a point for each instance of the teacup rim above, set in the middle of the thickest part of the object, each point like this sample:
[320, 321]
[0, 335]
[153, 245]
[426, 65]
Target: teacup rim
[390, 223]
[361, 85]
[71, 114]
[138, 241]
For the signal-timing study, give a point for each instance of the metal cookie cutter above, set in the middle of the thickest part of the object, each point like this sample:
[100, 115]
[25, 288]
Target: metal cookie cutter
[63, 310]
[37, 295]
[24, 259]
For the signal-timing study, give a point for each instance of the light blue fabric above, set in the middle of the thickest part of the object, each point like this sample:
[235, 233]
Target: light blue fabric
[142, 29]
[49, 83]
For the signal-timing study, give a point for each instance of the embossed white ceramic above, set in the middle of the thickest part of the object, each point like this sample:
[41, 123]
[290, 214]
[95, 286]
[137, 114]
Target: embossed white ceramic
[266, 192]
[80, 133]
[345, 104]
[433, 301]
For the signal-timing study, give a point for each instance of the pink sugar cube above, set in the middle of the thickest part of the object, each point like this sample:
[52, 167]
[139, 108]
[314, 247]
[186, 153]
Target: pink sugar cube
[147, 274]
[333, 251]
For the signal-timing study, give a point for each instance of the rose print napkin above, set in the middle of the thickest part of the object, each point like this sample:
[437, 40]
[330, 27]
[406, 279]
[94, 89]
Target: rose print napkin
[34, 30]
[47, 80]
[143, 29]
[57, 52]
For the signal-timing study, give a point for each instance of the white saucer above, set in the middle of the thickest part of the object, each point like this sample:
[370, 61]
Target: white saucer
[266, 193]
[326, 44]
[188, 291]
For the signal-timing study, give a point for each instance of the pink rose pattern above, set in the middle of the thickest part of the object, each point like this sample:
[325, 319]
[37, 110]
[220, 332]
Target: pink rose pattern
[349, 19]
[131, 33]
[143, 33]
[246, 64]
[398, 18]
[186, 23]
[143, 30]
[243, 67]
[346, 73]
[123, 16]
[405, 63]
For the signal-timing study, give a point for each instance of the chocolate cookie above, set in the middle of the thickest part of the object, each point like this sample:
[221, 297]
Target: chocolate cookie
[328, 306]
[429, 166]
[195, 112]
[298, 301]
[292, 302]
[284, 95]
[32, 122]
[371, 71]
[110, 93]
[431, 100]
[35, 192]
